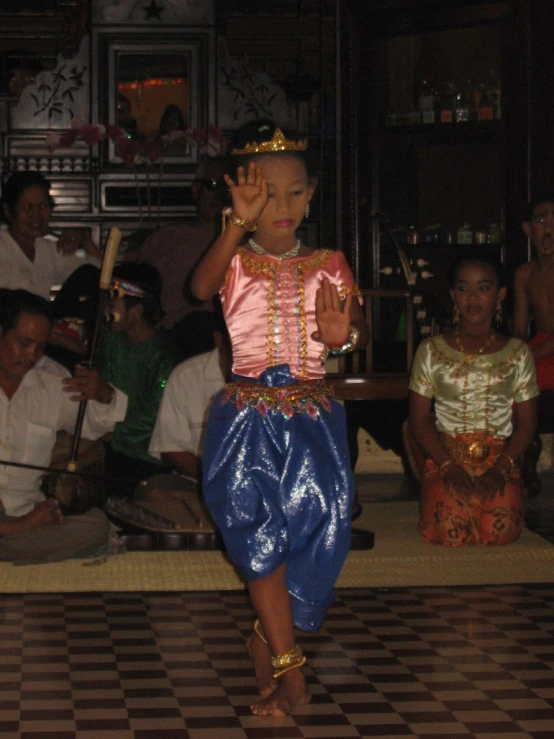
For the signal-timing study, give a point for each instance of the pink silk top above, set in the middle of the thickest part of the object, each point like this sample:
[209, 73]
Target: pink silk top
[269, 308]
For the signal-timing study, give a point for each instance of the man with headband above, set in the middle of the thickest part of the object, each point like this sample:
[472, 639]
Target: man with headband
[136, 358]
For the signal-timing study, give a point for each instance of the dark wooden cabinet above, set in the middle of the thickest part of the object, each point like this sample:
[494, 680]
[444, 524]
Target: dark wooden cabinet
[403, 63]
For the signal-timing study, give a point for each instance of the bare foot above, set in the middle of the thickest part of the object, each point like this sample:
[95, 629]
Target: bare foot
[290, 692]
[261, 659]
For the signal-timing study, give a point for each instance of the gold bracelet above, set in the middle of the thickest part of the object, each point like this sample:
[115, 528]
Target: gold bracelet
[510, 460]
[350, 344]
[228, 214]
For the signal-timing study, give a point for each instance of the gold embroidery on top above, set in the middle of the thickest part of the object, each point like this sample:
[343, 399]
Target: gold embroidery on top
[496, 371]
[257, 265]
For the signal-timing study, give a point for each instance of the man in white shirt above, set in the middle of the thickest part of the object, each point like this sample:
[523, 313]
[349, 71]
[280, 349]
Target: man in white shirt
[35, 404]
[178, 435]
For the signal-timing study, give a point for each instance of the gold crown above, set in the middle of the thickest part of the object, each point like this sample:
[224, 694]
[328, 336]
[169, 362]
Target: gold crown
[277, 143]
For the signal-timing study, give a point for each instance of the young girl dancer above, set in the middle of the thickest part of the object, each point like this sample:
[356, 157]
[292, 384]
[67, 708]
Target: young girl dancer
[276, 473]
[484, 388]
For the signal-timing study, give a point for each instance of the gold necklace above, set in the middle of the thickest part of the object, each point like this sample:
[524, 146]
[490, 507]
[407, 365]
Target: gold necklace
[471, 355]
[287, 255]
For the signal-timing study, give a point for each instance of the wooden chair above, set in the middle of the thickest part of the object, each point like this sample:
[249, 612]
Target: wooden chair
[375, 396]
[356, 378]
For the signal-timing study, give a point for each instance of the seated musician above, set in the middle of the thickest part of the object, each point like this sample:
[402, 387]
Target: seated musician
[136, 358]
[178, 435]
[33, 408]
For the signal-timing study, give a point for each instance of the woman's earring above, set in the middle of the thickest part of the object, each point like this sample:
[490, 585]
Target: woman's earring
[498, 314]
[307, 211]
[455, 317]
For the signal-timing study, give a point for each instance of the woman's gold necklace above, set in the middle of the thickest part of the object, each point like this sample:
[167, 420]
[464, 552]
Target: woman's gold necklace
[471, 355]
[287, 255]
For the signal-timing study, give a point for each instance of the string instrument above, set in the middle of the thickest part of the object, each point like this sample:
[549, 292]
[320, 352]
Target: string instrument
[78, 493]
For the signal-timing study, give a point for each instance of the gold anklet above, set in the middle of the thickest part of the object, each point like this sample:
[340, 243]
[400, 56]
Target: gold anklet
[288, 661]
[257, 629]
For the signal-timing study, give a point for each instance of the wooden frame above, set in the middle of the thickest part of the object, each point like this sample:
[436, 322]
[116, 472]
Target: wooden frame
[196, 50]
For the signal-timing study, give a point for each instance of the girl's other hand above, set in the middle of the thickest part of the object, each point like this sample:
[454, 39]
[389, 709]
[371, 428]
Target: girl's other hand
[457, 479]
[332, 315]
[249, 192]
[487, 485]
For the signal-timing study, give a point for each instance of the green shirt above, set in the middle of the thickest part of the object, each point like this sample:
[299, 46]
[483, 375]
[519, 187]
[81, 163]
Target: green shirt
[140, 371]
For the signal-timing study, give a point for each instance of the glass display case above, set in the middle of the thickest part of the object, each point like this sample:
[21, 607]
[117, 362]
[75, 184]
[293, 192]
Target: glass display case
[438, 151]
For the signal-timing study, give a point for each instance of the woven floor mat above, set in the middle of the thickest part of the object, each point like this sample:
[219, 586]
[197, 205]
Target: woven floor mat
[399, 558]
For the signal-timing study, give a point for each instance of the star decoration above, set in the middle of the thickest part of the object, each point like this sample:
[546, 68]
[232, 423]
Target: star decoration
[153, 10]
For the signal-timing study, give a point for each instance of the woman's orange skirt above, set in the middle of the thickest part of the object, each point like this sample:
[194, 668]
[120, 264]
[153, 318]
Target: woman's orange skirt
[450, 520]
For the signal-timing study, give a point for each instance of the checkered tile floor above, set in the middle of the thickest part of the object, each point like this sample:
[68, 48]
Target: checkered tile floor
[411, 662]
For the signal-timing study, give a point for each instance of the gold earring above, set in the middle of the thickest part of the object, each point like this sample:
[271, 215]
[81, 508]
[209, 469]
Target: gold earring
[455, 317]
[498, 314]
[307, 211]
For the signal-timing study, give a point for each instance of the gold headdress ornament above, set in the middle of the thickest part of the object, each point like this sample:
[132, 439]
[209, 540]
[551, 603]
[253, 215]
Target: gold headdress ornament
[277, 143]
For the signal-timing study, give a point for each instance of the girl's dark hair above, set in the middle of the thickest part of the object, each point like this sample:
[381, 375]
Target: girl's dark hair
[148, 278]
[484, 261]
[15, 303]
[260, 131]
[171, 110]
[15, 186]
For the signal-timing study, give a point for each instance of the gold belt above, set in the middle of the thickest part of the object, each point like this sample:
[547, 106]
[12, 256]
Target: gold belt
[301, 397]
[471, 451]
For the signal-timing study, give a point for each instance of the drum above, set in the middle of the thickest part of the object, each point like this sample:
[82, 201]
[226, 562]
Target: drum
[76, 494]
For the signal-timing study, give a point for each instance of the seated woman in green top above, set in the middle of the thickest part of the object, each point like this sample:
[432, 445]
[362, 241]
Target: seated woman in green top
[484, 390]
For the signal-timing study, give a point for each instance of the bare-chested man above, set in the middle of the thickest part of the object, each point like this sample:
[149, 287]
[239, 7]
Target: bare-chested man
[534, 290]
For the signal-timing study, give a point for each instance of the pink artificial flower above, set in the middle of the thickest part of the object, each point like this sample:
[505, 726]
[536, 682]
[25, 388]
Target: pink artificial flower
[68, 137]
[115, 132]
[128, 150]
[216, 132]
[90, 134]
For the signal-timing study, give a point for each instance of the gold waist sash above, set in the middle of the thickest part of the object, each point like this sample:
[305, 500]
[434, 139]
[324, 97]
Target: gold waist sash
[473, 448]
[306, 396]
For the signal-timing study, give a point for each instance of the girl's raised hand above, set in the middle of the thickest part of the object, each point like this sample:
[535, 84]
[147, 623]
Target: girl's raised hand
[332, 315]
[249, 192]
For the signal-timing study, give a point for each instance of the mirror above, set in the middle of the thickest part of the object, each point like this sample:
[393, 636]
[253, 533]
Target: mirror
[152, 100]
[155, 84]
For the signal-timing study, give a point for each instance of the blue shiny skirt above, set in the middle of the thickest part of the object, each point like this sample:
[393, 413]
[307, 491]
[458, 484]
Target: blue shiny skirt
[280, 489]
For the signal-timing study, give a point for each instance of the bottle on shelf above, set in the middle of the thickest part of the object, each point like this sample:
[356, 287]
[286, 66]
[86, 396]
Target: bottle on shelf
[462, 108]
[427, 101]
[485, 110]
[465, 234]
[432, 234]
[413, 237]
[448, 102]
[495, 234]
[495, 95]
